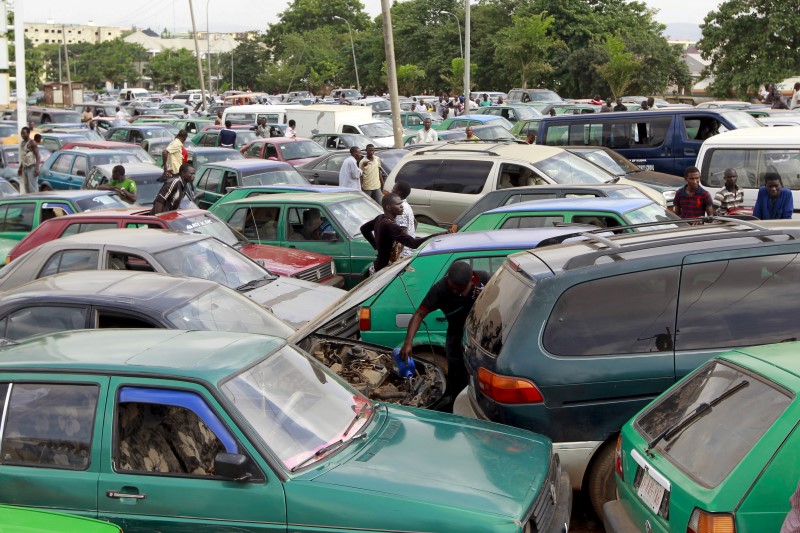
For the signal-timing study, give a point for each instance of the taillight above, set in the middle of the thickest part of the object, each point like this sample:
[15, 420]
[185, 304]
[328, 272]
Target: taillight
[507, 389]
[8, 259]
[364, 319]
[618, 459]
[703, 522]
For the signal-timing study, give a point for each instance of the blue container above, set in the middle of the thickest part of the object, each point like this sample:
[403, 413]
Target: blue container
[403, 369]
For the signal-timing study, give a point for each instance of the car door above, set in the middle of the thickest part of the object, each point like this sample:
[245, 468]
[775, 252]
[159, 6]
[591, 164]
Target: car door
[80, 166]
[209, 183]
[58, 175]
[327, 171]
[51, 443]
[160, 441]
[17, 219]
[457, 186]
[299, 233]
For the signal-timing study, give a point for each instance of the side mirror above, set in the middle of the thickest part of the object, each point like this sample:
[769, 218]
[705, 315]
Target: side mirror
[232, 466]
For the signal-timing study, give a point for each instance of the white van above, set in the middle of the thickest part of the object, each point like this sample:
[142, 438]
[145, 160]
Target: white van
[249, 114]
[126, 95]
[752, 152]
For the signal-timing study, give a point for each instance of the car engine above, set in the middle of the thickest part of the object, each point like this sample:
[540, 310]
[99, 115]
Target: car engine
[374, 373]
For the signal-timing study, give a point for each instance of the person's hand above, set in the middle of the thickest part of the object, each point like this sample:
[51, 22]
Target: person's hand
[405, 352]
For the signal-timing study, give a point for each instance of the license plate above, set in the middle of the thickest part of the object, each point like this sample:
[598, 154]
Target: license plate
[651, 492]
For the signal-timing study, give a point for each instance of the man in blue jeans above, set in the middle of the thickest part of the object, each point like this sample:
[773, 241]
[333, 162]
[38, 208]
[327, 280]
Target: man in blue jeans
[773, 201]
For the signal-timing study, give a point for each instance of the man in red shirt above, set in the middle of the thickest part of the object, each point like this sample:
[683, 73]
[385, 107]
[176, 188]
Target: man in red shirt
[691, 200]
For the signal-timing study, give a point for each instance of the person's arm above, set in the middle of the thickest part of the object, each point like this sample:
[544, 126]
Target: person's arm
[367, 231]
[400, 235]
[164, 158]
[709, 204]
[788, 205]
[758, 209]
[128, 195]
[413, 326]
[676, 205]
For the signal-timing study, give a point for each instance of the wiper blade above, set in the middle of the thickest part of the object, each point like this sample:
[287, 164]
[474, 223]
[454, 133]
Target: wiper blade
[356, 418]
[317, 454]
[699, 411]
[615, 179]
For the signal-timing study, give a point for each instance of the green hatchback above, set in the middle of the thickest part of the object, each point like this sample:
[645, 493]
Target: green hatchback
[177, 431]
[23, 520]
[715, 453]
[328, 224]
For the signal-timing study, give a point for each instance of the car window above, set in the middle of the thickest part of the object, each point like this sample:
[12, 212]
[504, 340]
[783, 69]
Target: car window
[126, 261]
[308, 224]
[462, 177]
[738, 302]
[488, 264]
[119, 135]
[641, 320]
[334, 163]
[19, 217]
[701, 128]
[257, 223]
[35, 320]
[531, 221]
[512, 175]
[49, 425]
[254, 150]
[80, 166]
[77, 227]
[419, 174]
[50, 144]
[70, 261]
[62, 163]
[212, 179]
[516, 198]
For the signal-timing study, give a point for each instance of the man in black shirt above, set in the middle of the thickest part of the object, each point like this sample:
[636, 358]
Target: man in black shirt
[454, 294]
[174, 189]
[383, 231]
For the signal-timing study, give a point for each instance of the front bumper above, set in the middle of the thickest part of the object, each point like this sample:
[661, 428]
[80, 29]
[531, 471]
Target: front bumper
[560, 521]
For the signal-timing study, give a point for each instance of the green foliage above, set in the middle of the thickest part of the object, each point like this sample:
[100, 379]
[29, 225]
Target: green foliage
[455, 80]
[174, 67]
[620, 68]
[524, 47]
[250, 59]
[409, 78]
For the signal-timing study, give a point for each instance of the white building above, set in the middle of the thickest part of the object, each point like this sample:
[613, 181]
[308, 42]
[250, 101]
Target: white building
[52, 33]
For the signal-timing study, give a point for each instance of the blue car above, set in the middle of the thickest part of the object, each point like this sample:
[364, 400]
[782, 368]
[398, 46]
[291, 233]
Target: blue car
[54, 141]
[66, 169]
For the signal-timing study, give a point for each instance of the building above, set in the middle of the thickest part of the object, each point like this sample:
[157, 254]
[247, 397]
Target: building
[217, 44]
[52, 33]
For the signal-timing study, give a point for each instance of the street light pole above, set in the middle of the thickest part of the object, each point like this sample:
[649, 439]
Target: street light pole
[353, 48]
[460, 44]
[208, 48]
[466, 54]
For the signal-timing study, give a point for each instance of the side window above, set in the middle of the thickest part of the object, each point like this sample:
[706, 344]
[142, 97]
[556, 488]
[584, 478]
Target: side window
[739, 302]
[50, 425]
[414, 120]
[518, 176]
[119, 135]
[596, 220]
[203, 180]
[110, 319]
[229, 180]
[19, 217]
[271, 151]
[80, 166]
[168, 431]
[53, 210]
[555, 135]
[334, 163]
[464, 177]
[62, 163]
[254, 150]
[701, 128]
[307, 224]
[259, 223]
[419, 174]
[50, 144]
[745, 162]
[209, 140]
[544, 221]
[213, 177]
[349, 129]
[70, 261]
[486, 264]
[35, 320]
[530, 197]
[641, 321]
[123, 261]
[76, 227]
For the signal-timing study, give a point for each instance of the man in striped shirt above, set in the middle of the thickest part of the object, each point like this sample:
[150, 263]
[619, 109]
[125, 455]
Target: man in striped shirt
[174, 189]
[730, 195]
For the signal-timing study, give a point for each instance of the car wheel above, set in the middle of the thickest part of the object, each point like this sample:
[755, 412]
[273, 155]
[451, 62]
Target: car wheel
[422, 219]
[435, 358]
[601, 484]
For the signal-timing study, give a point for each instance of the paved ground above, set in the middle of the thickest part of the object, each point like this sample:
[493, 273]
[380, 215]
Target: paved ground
[583, 518]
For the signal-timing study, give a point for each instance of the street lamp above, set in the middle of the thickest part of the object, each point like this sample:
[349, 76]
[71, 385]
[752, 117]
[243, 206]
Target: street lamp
[353, 48]
[460, 44]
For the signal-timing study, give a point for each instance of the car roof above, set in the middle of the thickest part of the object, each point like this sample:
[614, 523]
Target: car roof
[298, 188]
[291, 197]
[59, 195]
[478, 118]
[132, 169]
[58, 135]
[782, 355]
[494, 239]
[280, 140]
[531, 153]
[93, 151]
[248, 164]
[205, 355]
[139, 126]
[638, 114]
[616, 205]
[783, 135]
[148, 240]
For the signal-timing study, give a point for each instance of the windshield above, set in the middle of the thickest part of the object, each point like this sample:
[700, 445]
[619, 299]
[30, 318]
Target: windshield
[711, 446]
[625, 192]
[610, 161]
[300, 150]
[280, 176]
[526, 112]
[492, 133]
[67, 117]
[740, 120]
[160, 133]
[101, 201]
[221, 309]
[6, 189]
[200, 159]
[651, 213]
[295, 405]
[206, 224]
[352, 214]
[566, 168]
[390, 158]
[377, 129]
[213, 260]
[114, 159]
[380, 105]
[140, 153]
[12, 156]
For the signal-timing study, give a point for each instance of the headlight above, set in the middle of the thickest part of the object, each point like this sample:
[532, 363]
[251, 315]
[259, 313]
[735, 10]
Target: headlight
[333, 268]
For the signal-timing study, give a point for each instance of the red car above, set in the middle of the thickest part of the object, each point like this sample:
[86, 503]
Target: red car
[140, 153]
[292, 151]
[301, 264]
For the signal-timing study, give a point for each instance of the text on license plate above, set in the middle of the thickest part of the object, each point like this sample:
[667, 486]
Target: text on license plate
[651, 492]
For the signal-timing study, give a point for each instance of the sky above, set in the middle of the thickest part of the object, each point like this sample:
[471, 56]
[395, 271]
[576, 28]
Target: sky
[241, 15]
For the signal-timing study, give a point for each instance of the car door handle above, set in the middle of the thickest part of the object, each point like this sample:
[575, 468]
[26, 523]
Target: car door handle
[689, 151]
[115, 494]
[441, 319]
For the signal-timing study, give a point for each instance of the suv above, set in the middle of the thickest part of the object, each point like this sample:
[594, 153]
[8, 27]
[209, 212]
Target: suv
[572, 340]
[533, 95]
[447, 179]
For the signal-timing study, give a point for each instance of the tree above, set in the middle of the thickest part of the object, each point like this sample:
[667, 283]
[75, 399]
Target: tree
[408, 78]
[174, 67]
[456, 77]
[525, 45]
[620, 68]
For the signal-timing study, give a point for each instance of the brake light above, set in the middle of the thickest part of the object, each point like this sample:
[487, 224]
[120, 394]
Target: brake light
[618, 459]
[364, 319]
[508, 389]
[703, 522]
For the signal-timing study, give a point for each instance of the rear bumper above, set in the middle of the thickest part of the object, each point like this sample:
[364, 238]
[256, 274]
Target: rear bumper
[616, 518]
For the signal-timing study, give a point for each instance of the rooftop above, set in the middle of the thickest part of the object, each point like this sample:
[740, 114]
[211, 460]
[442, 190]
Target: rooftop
[152, 240]
[616, 205]
[510, 239]
[292, 197]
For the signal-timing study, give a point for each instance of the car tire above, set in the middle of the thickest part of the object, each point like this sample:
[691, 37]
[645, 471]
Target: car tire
[422, 219]
[601, 485]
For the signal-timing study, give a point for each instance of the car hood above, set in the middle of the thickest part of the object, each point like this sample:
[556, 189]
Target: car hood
[298, 162]
[465, 465]
[293, 300]
[658, 179]
[284, 261]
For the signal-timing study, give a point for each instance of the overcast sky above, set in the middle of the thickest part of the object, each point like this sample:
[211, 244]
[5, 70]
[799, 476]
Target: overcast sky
[239, 15]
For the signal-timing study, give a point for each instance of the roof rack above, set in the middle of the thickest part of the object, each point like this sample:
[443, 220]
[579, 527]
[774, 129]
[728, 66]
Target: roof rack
[452, 146]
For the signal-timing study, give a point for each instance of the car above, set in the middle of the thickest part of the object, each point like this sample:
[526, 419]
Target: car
[48, 115]
[489, 132]
[9, 164]
[135, 149]
[138, 133]
[102, 124]
[601, 212]
[130, 299]
[411, 120]
[210, 137]
[148, 179]
[189, 254]
[341, 141]
[347, 94]
[292, 151]
[24, 520]
[54, 141]
[200, 155]
[324, 170]
[790, 119]
[514, 195]
[567, 108]
[243, 430]
[215, 179]
[410, 139]
[462, 121]
[100, 109]
[533, 95]
[192, 125]
[281, 220]
[512, 113]
[67, 169]
[718, 446]
[247, 191]
[86, 132]
[730, 104]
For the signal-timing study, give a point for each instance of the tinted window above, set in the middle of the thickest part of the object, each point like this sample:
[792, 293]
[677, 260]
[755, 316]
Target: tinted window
[72, 229]
[740, 302]
[751, 165]
[254, 150]
[35, 320]
[529, 197]
[464, 177]
[50, 425]
[70, 261]
[641, 320]
[80, 166]
[213, 177]
[19, 217]
[334, 163]
[419, 174]
[543, 221]
[62, 163]
[710, 446]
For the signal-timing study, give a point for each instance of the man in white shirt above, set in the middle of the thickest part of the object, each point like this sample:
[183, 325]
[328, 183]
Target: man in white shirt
[403, 189]
[350, 174]
[290, 132]
[120, 114]
[426, 134]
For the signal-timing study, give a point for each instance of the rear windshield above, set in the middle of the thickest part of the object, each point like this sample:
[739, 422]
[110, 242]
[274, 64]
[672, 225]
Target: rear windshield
[496, 309]
[738, 409]
[102, 201]
[566, 168]
[301, 150]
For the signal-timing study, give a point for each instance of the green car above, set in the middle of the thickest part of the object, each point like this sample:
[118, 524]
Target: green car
[248, 191]
[602, 212]
[176, 431]
[192, 125]
[717, 451]
[23, 520]
[522, 128]
[328, 224]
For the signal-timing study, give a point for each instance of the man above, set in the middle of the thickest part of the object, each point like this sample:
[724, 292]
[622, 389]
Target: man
[120, 114]
[185, 113]
[531, 139]
[261, 128]
[730, 195]
[406, 219]
[87, 115]
[607, 108]
[427, 135]
[651, 102]
[620, 106]
[371, 174]
[791, 523]
[471, 134]
[644, 105]
[441, 107]
[455, 295]
[691, 200]
[773, 201]
[795, 101]
[28, 162]
[290, 132]
[596, 100]
[350, 174]
[485, 102]
[383, 232]
[172, 156]
[218, 120]
[227, 136]
[125, 187]
[174, 189]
